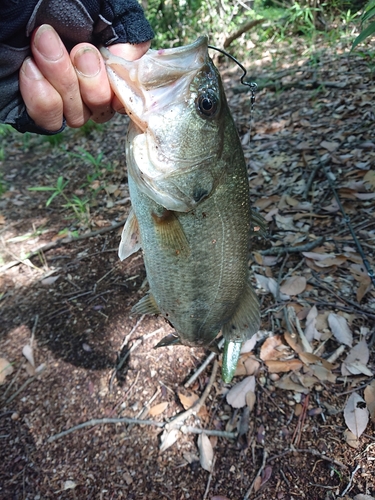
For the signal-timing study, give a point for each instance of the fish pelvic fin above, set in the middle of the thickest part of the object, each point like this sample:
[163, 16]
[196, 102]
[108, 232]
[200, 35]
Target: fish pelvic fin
[245, 321]
[130, 240]
[170, 339]
[171, 233]
[147, 305]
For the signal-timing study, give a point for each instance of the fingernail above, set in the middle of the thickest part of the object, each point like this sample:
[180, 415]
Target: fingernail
[48, 43]
[87, 62]
[31, 70]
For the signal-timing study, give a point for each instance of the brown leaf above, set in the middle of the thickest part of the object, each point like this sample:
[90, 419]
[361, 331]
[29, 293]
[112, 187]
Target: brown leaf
[340, 329]
[351, 440]
[272, 348]
[369, 394]
[157, 409]
[277, 366]
[250, 399]
[247, 365]
[187, 401]
[294, 285]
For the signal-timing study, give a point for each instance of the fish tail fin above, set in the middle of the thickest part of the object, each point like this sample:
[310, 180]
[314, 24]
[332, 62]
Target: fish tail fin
[244, 324]
[130, 240]
[245, 321]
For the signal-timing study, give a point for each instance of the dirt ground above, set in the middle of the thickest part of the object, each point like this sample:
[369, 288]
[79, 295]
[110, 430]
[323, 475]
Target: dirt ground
[93, 359]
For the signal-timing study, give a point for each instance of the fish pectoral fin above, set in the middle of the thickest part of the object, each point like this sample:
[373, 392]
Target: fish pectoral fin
[168, 340]
[130, 240]
[245, 321]
[147, 305]
[171, 233]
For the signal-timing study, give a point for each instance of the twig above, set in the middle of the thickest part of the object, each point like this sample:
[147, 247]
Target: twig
[359, 388]
[193, 410]
[248, 493]
[203, 366]
[311, 452]
[60, 242]
[351, 480]
[301, 248]
[188, 429]
[243, 29]
[209, 479]
[101, 421]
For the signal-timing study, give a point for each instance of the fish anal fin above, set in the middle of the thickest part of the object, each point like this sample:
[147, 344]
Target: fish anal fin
[147, 305]
[130, 240]
[245, 320]
[171, 233]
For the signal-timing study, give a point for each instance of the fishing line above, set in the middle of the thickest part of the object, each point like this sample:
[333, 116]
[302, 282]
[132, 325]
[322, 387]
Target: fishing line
[252, 85]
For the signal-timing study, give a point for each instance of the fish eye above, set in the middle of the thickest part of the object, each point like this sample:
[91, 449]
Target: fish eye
[207, 103]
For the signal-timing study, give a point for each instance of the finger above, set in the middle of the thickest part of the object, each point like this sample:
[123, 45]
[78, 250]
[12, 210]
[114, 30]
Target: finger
[94, 86]
[54, 63]
[43, 103]
[128, 51]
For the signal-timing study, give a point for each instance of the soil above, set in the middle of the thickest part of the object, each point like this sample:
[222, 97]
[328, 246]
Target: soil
[73, 304]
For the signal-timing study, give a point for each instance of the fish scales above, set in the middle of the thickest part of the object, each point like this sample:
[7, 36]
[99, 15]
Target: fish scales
[189, 190]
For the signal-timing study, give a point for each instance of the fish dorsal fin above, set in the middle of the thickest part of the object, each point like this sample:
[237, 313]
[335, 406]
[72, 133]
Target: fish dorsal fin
[130, 241]
[171, 234]
[147, 305]
[245, 320]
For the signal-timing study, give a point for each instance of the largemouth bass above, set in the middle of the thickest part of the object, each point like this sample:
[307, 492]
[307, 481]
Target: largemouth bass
[190, 197]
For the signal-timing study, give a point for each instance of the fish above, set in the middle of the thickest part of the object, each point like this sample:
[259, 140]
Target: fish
[189, 192]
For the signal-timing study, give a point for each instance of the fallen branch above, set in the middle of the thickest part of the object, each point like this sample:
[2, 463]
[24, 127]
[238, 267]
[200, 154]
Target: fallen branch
[264, 461]
[58, 243]
[176, 423]
[243, 29]
[301, 248]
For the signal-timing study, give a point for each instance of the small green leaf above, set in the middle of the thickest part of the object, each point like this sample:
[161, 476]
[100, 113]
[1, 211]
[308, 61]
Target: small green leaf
[364, 34]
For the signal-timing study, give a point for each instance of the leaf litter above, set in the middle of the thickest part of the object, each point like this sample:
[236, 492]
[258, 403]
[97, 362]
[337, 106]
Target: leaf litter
[317, 304]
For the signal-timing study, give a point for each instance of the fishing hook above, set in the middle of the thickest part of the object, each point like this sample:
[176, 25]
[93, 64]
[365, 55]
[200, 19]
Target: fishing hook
[253, 86]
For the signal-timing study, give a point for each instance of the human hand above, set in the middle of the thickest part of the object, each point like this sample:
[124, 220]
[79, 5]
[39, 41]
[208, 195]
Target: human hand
[54, 84]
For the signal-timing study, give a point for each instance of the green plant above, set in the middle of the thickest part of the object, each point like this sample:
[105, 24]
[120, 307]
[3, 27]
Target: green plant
[95, 161]
[368, 14]
[80, 207]
[54, 140]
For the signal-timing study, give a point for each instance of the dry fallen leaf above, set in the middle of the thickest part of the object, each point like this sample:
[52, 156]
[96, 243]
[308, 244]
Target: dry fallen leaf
[28, 352]
[5, 369]
[69, 485]
[363, 497]
[247, 365]
[340, 329]
[369, 394]
[356, 361]
[206, 452]
[168, 438]
[273, 348]
[236, 397]
[277, 366]
[157, 409]
[351, 440]
[250, 399]
[311, 332]
[356, 414]
[294, 285]
[187, 401]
